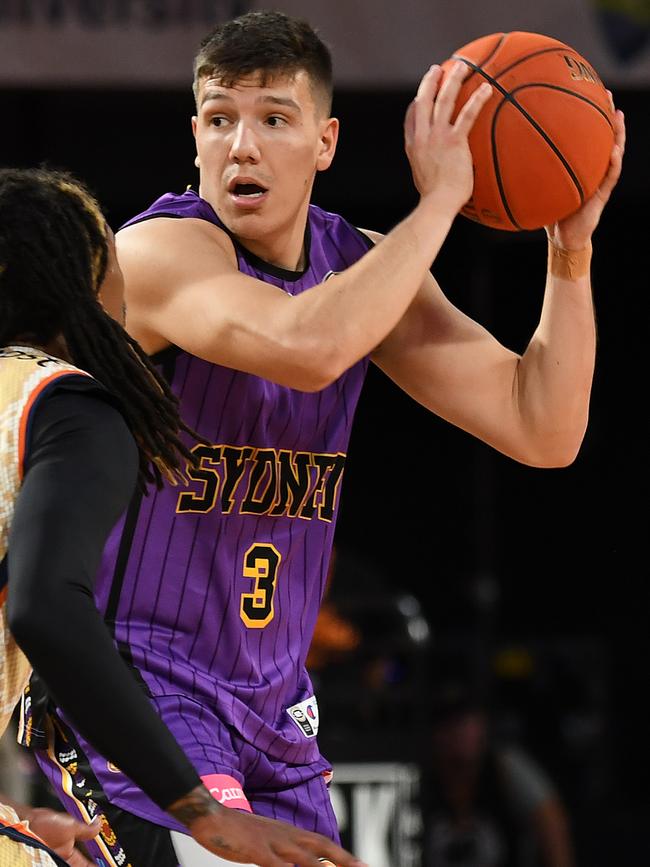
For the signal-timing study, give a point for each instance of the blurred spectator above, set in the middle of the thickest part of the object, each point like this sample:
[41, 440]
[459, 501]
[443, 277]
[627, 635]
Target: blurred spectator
[334, 636]
[486, 804]
[368, 654]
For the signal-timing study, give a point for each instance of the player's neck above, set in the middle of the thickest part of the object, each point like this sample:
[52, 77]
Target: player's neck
[284, 248]
[56, 347]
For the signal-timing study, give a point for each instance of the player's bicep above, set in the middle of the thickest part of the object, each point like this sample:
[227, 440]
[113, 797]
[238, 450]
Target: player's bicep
[229, 319]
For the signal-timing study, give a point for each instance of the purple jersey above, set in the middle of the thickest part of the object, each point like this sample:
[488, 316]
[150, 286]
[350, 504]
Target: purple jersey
[213, 590]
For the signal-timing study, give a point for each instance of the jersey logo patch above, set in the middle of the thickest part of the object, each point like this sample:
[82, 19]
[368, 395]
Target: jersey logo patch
[305, 716]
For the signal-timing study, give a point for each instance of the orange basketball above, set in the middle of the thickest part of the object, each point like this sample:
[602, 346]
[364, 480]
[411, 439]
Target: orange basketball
[541, 145]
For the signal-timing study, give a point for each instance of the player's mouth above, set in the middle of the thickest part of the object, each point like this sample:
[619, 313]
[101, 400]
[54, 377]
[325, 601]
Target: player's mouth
[246, 192]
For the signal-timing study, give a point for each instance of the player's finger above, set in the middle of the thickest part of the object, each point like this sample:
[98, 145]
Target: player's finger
[425, 100]
[429, 82]
[619, 129]
[616, 159]
[448, 93]
[82, 831]
[324, 850]
[341, 857]
[409, 126]
[470, 111]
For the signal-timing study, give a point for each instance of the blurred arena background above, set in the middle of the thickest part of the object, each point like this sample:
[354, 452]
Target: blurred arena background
[453, 564]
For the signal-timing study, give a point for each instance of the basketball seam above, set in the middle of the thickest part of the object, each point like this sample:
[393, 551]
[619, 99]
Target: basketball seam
[548, 141]
[497, 174]
[507, 97]
[533, 54]
[495, 159]
[485, 59]
[569, 92]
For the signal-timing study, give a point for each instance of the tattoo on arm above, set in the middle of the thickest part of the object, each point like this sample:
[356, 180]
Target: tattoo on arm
[196, 804]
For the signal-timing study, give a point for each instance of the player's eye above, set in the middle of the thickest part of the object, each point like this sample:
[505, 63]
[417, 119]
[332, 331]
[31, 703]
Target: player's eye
[275, 120]
[218, 120]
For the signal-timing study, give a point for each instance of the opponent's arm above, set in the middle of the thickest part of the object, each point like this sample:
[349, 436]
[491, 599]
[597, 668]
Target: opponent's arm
[80, 473]
[533, 407]
[81, 470]
[184, 288]
[56, 829]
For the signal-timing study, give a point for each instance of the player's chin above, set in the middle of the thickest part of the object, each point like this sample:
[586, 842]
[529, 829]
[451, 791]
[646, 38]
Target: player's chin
[246, 224]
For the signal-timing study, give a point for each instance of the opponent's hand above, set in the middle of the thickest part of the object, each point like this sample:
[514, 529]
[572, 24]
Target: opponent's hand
[62, 832]
[575, 231]
[437, 149]
[248, 839]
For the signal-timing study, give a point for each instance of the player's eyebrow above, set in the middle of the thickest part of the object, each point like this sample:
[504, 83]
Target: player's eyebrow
[215, 94]
[280, 100]
[267, 98]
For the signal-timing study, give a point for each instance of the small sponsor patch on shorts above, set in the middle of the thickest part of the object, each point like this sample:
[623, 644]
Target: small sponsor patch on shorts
[305, 716]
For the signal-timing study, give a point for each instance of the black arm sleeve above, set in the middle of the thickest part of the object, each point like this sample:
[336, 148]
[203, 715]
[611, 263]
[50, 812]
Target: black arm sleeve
[80, 474]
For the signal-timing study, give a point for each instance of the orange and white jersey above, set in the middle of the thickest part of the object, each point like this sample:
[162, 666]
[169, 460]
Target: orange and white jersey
[25, 376]
[15, 839]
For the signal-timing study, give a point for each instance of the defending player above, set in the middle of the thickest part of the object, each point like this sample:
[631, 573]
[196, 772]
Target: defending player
[263, 312]
[72, 450]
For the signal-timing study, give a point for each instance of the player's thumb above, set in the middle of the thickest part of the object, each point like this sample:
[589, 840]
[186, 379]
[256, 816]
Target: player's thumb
[88, 832]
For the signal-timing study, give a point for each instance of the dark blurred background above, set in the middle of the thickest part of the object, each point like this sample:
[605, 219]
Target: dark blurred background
[532, 578]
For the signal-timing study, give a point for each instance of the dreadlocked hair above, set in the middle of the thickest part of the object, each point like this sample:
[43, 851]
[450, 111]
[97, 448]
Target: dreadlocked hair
[53, 258]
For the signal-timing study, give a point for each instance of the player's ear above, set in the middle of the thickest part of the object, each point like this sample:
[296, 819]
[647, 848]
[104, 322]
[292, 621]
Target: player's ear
[194, 124]
[329, 135]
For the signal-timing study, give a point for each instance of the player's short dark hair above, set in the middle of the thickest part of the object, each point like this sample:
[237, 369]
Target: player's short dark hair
[53, 258]
[268, 43]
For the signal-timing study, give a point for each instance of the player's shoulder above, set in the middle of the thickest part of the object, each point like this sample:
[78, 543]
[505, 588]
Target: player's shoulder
[150, 249]
[335, 224]
[173, 232]
[173, 221]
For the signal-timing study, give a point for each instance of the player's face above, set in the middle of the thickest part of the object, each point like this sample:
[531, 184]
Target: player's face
[259, 149]
[111, 291]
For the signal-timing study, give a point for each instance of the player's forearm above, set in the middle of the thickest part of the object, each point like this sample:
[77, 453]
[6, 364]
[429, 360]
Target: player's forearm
[556, 372]
[196, 804]
[345, 318]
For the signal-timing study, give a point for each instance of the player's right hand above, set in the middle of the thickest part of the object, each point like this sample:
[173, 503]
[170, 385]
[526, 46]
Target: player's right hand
[437, 149]
[62, 832]
[249, 839]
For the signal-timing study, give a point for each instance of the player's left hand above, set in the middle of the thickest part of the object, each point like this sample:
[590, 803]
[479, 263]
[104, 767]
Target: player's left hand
[62, 832]
[575, 231]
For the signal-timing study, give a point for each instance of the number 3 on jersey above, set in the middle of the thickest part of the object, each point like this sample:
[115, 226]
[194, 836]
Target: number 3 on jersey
[261, 563]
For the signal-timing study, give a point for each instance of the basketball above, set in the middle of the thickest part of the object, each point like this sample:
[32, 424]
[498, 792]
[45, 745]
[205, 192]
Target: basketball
[541, 145]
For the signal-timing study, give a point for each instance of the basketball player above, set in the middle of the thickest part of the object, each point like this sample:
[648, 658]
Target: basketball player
[72, 451]
[263, 312]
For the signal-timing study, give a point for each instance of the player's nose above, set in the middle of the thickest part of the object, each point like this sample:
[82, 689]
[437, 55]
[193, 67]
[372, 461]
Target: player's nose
[244, 147]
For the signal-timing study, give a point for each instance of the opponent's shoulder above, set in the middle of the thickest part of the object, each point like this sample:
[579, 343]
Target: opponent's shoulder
[83, 423]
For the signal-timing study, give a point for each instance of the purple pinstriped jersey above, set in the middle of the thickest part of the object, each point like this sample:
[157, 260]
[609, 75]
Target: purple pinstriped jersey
[213, 590]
